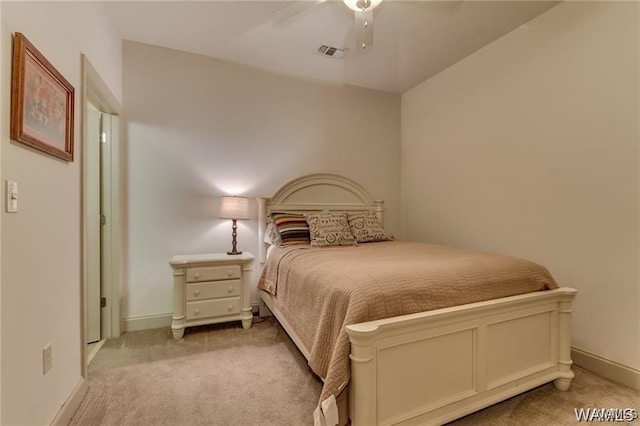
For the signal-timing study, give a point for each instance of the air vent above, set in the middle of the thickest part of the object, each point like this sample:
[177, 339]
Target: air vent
[332, 52]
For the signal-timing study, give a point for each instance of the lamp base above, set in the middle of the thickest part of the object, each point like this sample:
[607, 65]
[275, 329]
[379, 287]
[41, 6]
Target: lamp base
[234, 243]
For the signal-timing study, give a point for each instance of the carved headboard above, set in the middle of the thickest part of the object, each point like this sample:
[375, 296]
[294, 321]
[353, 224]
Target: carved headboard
[316, 193]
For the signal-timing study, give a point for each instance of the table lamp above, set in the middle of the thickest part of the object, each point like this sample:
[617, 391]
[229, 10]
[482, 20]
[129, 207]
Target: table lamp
[234, 208]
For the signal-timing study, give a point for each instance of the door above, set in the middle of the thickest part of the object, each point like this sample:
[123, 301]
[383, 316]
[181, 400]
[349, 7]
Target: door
[102, 140]
[93, 194]
[109, 229]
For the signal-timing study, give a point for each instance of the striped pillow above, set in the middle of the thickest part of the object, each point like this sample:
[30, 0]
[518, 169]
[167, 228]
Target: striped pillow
[292, 227]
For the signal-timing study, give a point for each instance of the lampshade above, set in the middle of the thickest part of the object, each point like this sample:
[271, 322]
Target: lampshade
[234, 208]
[358, 5]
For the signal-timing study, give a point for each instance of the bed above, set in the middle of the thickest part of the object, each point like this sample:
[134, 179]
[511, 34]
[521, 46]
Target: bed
[433, 363]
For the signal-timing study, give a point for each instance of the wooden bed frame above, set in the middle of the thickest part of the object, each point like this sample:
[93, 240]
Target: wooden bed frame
[435, 366]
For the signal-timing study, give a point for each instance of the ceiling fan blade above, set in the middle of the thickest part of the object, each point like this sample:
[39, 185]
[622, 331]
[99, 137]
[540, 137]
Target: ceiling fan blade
[293, 9]
[364, 29]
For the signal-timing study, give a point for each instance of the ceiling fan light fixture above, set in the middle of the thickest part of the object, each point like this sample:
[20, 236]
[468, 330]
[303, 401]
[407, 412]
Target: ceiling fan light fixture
[360, 5]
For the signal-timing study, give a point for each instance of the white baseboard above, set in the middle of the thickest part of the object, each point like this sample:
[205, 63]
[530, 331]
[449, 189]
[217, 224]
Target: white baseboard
[72, 403]
[94, 350]
[146, 322]
[611, 370]
[263, 310]
[157, 321]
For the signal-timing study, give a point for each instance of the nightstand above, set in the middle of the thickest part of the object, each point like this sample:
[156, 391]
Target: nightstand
[209, 289]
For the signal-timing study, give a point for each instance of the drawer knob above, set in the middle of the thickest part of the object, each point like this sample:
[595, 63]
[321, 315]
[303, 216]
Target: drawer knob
[196, 311]
[196, 275]
[230, 273]
[230, 290]
[230, 308]
[196, 292]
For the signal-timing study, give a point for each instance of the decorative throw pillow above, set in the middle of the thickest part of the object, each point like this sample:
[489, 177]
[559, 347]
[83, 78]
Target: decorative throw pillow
[292, 228]
[330, 230]
[366, 228]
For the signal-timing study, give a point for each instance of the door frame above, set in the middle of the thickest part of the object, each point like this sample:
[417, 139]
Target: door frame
[95, 91]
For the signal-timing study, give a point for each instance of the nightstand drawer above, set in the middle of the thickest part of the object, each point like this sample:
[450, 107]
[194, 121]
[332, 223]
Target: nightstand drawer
[213, 308]
[213, 290]
[213, 273]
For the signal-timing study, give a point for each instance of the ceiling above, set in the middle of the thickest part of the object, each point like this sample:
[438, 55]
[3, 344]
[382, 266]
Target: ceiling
[414, 40]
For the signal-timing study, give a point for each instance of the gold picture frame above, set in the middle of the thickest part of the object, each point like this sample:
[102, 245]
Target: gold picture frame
[42, 102]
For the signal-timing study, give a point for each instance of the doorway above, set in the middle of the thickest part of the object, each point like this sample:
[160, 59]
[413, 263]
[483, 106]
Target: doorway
[101, 214]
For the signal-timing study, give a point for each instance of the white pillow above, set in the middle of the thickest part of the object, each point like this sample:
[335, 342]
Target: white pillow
[271, 235]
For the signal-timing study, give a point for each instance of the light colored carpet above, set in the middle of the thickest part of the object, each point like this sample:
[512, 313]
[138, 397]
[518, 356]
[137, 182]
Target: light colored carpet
[216, 375]
[224, 375]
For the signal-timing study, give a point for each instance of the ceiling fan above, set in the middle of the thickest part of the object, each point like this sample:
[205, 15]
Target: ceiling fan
[363, 16]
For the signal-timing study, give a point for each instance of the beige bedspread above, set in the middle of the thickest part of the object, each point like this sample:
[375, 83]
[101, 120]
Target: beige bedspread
[321, 290]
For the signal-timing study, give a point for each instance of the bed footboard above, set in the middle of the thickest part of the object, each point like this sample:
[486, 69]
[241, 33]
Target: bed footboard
[437, 366]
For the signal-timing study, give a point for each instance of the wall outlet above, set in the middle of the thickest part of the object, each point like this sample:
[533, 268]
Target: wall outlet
[46, 358]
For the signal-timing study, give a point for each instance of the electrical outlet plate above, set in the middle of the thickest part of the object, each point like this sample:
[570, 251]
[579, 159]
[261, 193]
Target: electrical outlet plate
[46, 358]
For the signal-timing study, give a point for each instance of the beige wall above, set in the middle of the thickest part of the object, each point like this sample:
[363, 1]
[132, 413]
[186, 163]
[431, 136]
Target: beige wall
[40, 245]
[199, 128]
[530, 147]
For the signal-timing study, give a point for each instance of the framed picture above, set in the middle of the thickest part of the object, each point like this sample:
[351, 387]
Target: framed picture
[41, 102]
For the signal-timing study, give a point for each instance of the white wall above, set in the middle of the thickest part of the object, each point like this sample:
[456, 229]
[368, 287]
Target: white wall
[199, 128]
[530, 147]
[40, 245]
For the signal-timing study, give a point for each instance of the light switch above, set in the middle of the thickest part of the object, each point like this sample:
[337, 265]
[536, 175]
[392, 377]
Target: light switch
[12, 196]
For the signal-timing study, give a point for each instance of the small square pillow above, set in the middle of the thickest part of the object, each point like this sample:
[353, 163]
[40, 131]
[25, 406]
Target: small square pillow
[330, 230]
[366, 228]
[292, 228]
